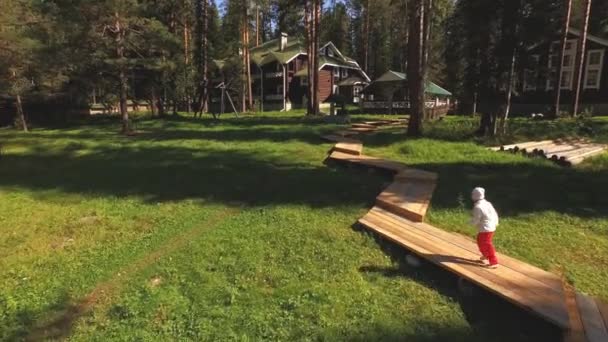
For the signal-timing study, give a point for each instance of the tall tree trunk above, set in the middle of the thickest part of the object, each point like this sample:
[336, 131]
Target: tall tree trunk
[187, 67]
[243, 69]
[202, 55]
[308, 19]
[317, 30]
[426, 47]
[122, 75]
[248, 61]
[414, 68]
[582, 52]
[562, 53]
[257, 25]
[509, 94]
[366, 30]
[21, 114]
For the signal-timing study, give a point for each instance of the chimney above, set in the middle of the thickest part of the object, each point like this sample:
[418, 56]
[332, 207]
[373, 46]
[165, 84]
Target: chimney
[283, 42]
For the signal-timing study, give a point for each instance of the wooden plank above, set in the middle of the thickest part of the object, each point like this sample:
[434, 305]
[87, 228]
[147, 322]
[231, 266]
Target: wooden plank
[339, 138]
[603, 307]
[510, 273]
[434, 250]
[551, 281]
[349, 147]
[416, 174]
[369, 161]
[363, 125]
[361, 130]
[595, 330]
[576, 330]
[407, 199]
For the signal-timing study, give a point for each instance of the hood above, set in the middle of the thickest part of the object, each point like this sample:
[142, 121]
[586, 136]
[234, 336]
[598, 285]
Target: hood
[478, 194]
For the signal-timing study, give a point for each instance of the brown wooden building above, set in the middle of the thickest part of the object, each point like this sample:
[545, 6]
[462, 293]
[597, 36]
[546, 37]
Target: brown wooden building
[280, 74]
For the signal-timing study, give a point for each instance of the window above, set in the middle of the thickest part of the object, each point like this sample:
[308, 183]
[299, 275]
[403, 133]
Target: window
[595, 57]
[336, 89]
[567, 76]
[551, 80]
[531, 74]
[566, 79]
[593, 71]
[592, 79]
[330, 52]
[336, 72]
[344, 73]
[553, 60]
[356, 91]
[530, 79]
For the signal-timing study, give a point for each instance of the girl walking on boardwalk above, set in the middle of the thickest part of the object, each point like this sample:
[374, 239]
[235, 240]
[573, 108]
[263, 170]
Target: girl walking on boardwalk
[485, 219]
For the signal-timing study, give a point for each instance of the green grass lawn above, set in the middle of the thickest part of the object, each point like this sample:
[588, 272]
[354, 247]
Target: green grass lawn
[195, 230]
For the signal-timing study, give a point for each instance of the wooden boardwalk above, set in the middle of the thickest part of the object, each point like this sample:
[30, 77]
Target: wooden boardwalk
[563, 152]
[407, 198]
[522, 284]
[402, 206]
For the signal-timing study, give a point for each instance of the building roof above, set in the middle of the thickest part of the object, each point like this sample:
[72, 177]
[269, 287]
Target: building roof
[398, 79]
[351, 81]
[590, 37]
[270, 51]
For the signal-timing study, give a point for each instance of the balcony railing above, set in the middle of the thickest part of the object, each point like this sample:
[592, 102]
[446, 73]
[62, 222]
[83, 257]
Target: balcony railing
[274, 97]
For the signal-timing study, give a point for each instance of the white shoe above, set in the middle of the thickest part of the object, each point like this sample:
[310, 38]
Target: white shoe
[493, 267]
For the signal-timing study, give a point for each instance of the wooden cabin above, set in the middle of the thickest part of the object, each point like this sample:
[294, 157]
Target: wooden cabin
[536, 88]
[280, 74]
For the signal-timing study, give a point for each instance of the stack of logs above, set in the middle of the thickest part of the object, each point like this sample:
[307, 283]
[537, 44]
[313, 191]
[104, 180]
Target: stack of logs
[562, 152]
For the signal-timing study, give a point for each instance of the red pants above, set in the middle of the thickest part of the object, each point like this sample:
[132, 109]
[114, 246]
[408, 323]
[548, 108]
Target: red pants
[484, 242]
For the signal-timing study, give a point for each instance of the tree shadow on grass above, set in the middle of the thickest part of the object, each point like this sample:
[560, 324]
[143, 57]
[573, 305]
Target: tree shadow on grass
[304, 134]
[159, 174]
[491, 317]
[522, 188]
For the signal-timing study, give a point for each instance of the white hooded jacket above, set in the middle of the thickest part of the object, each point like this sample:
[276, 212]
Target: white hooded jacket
[485, 218]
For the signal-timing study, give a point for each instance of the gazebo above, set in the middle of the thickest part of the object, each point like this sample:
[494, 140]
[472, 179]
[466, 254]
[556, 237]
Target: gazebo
[390, 92]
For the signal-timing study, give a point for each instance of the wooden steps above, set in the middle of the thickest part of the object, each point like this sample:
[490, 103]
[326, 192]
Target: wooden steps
[410, 174]
[364, 160]
[409, 199]
[512, 280]
[354, 148]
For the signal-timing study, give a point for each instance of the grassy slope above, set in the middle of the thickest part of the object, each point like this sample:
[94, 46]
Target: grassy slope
[238, 231]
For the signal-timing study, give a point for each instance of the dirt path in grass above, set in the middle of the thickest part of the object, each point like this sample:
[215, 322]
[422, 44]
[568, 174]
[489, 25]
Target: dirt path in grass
[59, 325]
